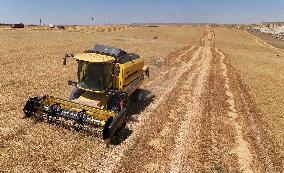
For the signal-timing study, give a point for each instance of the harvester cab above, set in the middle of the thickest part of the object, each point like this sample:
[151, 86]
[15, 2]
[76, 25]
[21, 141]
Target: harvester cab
[106, 78]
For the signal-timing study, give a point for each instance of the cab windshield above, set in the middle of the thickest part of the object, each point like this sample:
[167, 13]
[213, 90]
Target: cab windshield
[94, 76]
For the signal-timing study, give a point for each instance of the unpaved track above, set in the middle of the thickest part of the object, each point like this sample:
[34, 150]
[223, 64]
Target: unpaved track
[199, 117]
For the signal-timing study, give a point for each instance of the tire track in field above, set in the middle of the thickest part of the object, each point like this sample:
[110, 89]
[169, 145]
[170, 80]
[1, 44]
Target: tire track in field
[153, 151]
[242, 147]
[265, 154]
[187, 151]
[255, 150]
[194, 108]
[163, 89]
[198, 147]
[154, 148]
[216, 139]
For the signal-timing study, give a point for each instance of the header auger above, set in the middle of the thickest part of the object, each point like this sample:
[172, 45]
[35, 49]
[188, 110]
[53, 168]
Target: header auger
[107, 77]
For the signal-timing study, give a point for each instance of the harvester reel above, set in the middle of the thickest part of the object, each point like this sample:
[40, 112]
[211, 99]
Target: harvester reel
[31, 106]
[52, 115]
[80, 123]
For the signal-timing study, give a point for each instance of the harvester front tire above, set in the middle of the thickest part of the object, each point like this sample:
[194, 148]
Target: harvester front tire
[113, 126]
[106, 132]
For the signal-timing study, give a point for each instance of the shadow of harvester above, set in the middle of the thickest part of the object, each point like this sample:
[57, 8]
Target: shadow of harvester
[134, 108]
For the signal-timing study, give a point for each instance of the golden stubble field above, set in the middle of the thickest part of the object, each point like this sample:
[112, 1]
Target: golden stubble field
[209, 109]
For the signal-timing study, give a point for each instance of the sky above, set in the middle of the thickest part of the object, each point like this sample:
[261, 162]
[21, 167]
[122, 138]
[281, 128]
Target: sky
[80, 12]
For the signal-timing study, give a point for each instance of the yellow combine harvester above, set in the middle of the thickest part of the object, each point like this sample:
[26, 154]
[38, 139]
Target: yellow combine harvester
[107, 77]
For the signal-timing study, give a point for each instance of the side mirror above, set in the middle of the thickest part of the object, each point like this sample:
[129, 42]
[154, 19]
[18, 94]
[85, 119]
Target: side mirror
[64, 61]
[67, 56]
[72, 83]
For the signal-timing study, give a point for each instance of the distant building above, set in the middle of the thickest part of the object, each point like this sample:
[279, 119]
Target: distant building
[20, 25]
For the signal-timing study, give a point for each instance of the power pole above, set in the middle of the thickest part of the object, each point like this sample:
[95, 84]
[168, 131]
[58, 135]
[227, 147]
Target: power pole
[39, 21]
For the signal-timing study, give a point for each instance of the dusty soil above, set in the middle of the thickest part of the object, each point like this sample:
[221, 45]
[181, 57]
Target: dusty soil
[198, 115]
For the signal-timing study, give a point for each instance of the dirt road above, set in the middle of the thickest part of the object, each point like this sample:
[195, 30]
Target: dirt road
[197, 117]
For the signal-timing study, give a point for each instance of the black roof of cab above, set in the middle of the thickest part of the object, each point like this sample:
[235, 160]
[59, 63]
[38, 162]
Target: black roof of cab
[120, 55]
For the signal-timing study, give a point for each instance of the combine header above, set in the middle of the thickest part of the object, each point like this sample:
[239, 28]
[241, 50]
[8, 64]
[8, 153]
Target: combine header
[107, 77]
